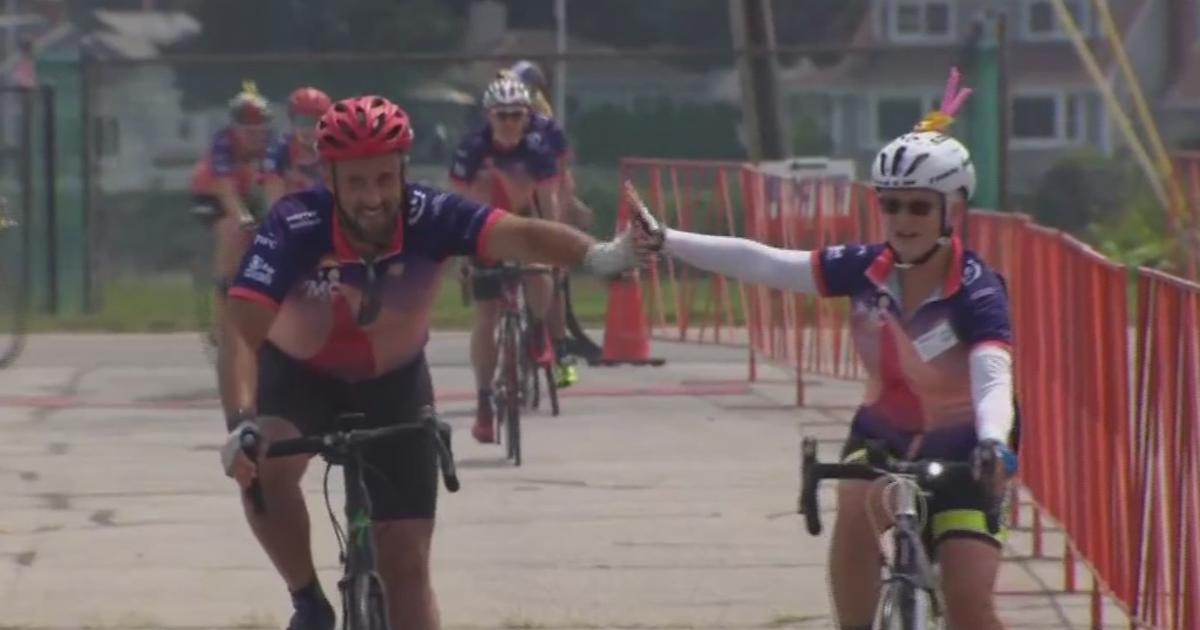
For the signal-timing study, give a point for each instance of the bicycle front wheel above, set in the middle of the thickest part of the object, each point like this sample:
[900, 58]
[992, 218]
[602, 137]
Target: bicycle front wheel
[904, 606]
[511, 377]
[363, 604]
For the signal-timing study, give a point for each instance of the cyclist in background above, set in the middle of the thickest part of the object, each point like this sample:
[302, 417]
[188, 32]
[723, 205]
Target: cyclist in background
[224, 184]
[330, 313]
[510, 162]
[291, 163]
[931, 324]
[576, 212]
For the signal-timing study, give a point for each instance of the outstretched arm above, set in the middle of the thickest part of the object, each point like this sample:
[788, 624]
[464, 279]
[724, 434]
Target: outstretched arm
[557, 244]
[744, 259]
[740, 258]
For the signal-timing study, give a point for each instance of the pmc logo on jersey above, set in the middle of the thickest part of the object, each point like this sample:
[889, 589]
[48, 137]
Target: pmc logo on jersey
[325, 286]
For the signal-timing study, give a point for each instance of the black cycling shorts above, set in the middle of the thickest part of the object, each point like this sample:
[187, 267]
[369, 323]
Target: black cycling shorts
[401, 472]
[958, 507]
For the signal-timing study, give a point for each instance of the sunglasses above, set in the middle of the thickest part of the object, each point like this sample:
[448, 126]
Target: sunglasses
[916, 207]
[508, 114]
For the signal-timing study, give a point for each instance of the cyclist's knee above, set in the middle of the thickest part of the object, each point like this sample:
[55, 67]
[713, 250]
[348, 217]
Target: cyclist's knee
[486, 313]
[277, 472]
[969, 567]
[404, 550]
[859, 509]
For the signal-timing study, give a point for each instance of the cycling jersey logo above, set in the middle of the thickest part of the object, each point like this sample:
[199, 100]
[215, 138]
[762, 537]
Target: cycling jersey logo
[416, 206]
[325, 286]
[304, 219]
[972, 272]
[534, 139]
[265, 241]
[259, 271]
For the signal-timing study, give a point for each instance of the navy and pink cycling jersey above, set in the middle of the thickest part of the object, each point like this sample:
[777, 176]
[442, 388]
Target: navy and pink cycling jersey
[339, 314]
[515, 172]
[222, 159]
[916, 384]
[289, 160]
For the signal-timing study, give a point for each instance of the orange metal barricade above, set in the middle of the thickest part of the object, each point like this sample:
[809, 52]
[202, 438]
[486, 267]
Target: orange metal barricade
[1110, 412]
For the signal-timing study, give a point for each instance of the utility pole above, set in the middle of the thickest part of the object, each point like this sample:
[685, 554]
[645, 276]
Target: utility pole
[560, 65]
[753, 29]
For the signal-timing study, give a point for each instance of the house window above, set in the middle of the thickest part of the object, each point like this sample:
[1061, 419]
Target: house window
[1039, 19]
[1047, 119]
[896, 115]
[920, 21]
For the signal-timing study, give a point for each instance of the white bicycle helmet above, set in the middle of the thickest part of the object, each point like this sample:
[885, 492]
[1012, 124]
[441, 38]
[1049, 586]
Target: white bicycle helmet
[928, 158]
[506, 91]
[925, 159]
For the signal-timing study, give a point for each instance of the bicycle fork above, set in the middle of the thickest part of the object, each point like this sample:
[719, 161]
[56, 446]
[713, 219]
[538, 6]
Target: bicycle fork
[910, 598]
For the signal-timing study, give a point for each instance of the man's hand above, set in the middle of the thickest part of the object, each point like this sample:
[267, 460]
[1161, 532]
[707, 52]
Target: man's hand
[648, 233]
[234, 458]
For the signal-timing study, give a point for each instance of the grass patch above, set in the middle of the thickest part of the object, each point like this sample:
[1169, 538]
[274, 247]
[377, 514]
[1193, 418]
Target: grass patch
[168, 303]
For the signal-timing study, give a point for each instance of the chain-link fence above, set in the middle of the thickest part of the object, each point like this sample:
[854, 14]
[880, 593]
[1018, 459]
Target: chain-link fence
[150, 121]
[28, 212]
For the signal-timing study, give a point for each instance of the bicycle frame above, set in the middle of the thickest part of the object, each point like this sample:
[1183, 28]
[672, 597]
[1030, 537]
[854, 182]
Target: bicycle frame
[360, 546]
[909, 598]
[910, 562]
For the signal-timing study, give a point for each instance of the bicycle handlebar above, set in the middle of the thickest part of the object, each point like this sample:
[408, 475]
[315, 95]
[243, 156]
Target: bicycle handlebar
[511, 271]
[338, 442]
[928, 473]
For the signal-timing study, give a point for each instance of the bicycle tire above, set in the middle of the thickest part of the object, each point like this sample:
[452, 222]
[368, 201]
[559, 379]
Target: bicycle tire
[363, 606]
[510, 375]
[551, 390]
[904, 606]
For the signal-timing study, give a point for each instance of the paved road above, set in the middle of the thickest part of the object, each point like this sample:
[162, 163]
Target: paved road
[663, 498]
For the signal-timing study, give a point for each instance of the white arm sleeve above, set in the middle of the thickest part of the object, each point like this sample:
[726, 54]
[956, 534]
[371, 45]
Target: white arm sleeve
[992, 392]
[744, 259]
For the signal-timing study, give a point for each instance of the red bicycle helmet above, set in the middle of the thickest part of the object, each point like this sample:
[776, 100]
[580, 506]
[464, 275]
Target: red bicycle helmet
[308, 100]
[363, 126]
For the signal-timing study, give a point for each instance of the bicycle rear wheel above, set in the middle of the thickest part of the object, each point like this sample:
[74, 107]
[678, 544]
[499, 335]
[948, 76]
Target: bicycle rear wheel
[14, 273]
[510, 379]
[551, 389]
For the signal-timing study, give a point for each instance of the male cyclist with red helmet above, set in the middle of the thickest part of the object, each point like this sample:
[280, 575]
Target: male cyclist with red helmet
[330, 313]
[510, 162]
[291, 162]
[224, 183]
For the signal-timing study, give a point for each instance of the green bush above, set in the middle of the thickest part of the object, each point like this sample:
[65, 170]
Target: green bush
[1080, 189]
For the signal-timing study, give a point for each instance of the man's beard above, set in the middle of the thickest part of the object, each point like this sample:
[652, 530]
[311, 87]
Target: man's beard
[379, 236]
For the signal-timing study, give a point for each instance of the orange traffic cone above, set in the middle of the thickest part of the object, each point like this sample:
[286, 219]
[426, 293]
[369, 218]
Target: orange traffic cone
[626, 332]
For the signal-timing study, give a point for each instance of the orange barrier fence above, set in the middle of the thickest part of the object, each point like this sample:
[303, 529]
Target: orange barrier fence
[1119, 472]
[1166, 477]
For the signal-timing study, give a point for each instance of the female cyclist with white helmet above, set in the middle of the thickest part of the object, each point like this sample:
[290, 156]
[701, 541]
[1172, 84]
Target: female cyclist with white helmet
[931, 324]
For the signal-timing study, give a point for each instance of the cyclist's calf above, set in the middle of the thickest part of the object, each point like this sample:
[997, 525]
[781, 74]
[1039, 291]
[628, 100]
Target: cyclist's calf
[854, 559]
[539, 290]
[483, 341]
[403, 554]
